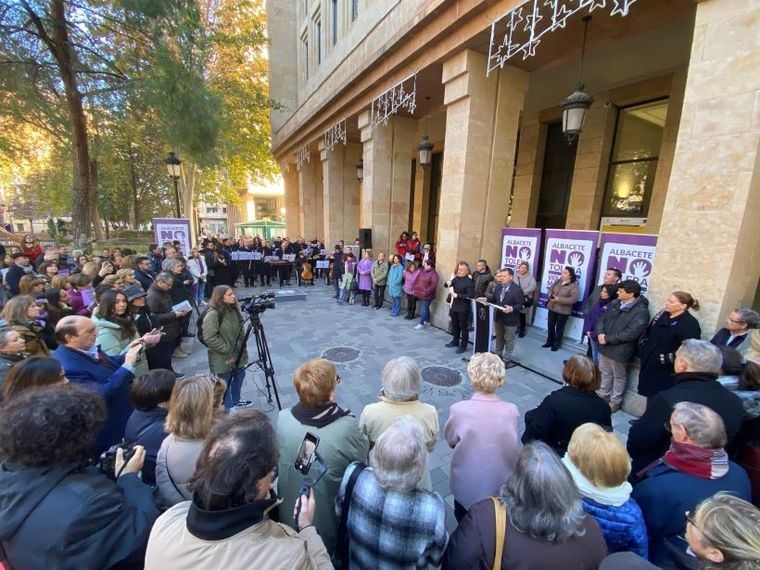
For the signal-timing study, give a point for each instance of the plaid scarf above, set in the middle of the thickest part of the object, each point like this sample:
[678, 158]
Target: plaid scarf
[697, 461]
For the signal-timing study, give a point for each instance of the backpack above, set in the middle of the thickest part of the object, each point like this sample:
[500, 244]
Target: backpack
[199, 325]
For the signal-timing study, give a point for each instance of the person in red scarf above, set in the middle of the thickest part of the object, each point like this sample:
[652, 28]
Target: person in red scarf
[694, 468]
[30, 247]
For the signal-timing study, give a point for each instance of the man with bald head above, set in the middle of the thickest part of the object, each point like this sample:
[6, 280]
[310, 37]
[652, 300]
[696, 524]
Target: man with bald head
[110, 376]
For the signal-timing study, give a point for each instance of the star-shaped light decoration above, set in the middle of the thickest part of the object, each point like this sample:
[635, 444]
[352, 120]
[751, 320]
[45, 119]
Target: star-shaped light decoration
[621, 7]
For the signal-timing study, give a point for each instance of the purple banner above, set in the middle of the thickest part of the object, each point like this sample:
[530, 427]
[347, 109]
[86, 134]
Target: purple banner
[520, 245]
[631, 254]
[567, 248]
[170, 229]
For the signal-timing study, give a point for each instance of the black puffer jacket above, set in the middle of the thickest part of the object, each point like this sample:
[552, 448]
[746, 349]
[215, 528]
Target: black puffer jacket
[72, 518]
[160, 305]
[622, 328]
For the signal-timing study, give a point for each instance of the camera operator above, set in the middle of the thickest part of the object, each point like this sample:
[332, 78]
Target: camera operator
[223, 335]
[55, 511]
[227, 523]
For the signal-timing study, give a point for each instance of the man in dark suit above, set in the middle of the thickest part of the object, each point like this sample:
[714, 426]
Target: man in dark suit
[144, 272]
[110, 376]
[510, 298]
[740, 322]
[16, 272]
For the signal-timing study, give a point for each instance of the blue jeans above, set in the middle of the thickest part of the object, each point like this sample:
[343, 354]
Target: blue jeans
[234, 381]
[594, 350]
[425, 311]
[396, 306]
[198, 290]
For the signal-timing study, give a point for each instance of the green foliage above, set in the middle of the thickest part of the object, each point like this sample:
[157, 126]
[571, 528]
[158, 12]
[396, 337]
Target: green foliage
[156, 75]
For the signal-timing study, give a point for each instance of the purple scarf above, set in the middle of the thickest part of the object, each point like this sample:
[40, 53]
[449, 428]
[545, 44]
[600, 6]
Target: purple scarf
[594, 314]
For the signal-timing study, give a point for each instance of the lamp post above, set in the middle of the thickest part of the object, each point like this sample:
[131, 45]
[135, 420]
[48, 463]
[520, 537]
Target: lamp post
[360, 170]
[174, 166]
[575, 106]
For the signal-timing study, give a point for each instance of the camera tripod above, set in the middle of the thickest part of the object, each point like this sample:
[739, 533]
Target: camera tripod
[264, 361]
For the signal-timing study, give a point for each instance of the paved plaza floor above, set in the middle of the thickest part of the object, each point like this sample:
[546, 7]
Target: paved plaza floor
[361, 340]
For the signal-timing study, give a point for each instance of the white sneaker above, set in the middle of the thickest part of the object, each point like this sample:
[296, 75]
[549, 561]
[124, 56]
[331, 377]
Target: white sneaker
[419, 327]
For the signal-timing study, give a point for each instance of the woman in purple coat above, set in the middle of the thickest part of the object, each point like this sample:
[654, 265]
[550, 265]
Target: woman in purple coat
[410, 278]
[365, 278]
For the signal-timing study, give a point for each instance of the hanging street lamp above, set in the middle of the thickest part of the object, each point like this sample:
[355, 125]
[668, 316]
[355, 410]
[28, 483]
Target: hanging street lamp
[577, 104]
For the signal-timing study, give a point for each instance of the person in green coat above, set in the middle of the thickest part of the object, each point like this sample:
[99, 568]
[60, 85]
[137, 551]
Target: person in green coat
[116, 329]
[395, 283]
[341, 442]
[379, 274]
[223, 336]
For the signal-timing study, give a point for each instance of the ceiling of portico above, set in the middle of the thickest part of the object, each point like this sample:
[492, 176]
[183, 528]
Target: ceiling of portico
[619, 50]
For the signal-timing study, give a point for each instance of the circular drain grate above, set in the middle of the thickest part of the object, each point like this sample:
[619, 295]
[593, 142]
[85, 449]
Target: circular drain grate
[441, 376]
[341, 354]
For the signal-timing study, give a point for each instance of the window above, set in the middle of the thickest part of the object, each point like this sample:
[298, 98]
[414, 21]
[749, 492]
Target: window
[305, 56]
[633, 165]
[354, 9]
[224, 210]
[334, 21]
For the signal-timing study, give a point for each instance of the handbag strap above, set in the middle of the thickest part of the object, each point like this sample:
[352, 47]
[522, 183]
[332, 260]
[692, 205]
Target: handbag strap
[343, 529]
[500, 516]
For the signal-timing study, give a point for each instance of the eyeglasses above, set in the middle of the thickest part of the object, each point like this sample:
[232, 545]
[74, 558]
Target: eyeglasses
[690, 521]
[736, 321]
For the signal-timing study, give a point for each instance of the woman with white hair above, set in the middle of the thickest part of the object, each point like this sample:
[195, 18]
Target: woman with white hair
[389, 521]
[542, 523]
[483, 433]
[401, 397]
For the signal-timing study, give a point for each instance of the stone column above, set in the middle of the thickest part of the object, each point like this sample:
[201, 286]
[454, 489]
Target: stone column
[332, 187]
[352, 152]
[592, 160]
[341, 192]
[377, 154]
[530, 165]
[405, 143]
[482, 117]
[709, 241]
[292, 200]
[307, 205]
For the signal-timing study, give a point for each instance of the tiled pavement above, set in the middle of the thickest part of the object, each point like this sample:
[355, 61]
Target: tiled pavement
[301, 330]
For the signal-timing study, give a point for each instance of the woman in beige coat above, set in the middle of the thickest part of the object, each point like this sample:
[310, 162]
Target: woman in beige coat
[563, 294]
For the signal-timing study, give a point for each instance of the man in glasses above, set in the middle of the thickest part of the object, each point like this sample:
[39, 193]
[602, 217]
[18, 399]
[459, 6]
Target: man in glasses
[739, 323]
[694, 468]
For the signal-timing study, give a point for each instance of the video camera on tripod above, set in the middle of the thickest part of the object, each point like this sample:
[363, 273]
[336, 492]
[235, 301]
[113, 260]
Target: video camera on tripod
[259, 303]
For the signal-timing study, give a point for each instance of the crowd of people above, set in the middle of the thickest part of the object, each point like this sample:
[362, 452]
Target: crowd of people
[111, 459]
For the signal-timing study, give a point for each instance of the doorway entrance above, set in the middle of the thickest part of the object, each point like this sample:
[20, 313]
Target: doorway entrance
[556, 179]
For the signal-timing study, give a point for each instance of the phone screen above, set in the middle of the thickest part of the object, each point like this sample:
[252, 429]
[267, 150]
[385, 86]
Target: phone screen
[305, 455]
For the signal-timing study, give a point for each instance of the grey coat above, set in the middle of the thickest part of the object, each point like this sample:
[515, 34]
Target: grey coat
[622, 328]
[528, 285]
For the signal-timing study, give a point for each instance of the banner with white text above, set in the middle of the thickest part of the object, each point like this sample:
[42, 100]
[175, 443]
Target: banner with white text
[520, 245]
[631, 254]
[170, 229]
[567, 248]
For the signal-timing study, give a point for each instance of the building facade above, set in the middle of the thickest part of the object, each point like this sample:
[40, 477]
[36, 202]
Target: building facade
[669, 145]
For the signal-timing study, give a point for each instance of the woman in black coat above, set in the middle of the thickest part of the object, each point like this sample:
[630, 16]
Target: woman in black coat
[668, 329]
[463, 291]
[555, 419]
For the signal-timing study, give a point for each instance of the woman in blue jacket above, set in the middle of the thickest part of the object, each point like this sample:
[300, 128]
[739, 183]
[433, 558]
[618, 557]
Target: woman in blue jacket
[395, 283]
[599, 465]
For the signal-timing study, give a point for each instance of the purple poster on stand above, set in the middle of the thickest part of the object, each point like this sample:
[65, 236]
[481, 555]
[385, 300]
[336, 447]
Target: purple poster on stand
[631, 254]
[171, 229]
[519, 245]
[567, 248]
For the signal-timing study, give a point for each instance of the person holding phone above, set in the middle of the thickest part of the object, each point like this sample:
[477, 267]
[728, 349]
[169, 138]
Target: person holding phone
[227, 523]
[340, 442]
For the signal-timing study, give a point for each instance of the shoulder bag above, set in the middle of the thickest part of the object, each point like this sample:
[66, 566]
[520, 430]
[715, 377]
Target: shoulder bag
[500, 520]
[341, 548]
